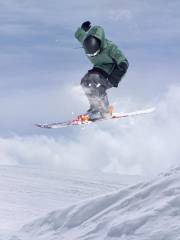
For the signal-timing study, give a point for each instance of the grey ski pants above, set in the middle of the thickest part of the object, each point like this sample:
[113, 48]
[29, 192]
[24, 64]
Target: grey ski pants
[95, 85]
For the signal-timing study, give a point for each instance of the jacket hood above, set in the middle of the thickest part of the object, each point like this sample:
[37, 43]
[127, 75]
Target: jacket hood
[99, 33]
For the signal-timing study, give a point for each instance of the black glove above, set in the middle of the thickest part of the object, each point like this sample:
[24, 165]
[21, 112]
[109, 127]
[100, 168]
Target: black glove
[118, 73]
[86, 26]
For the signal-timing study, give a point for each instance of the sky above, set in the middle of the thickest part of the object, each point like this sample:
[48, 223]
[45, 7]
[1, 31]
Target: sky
[41, 65]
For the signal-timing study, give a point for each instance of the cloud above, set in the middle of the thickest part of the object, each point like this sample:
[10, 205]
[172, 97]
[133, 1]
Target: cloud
[120, 15]
[143, 145]
[21, 109]
[143, 23]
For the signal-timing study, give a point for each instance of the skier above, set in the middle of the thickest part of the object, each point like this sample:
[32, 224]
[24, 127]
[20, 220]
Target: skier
[110, 65]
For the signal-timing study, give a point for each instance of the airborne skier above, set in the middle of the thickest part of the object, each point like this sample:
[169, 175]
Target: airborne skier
[110, 65]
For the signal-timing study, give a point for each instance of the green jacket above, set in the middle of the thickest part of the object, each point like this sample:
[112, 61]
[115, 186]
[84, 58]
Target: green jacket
[109, 55]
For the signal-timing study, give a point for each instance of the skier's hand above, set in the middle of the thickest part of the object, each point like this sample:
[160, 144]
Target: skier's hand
[86, 26]
[118, 72]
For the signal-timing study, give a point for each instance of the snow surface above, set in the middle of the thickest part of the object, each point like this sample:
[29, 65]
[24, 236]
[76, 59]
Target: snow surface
[28, 193]
[149, 210]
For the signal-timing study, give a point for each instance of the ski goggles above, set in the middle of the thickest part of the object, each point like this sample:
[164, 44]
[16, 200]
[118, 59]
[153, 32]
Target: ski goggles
[93, 54]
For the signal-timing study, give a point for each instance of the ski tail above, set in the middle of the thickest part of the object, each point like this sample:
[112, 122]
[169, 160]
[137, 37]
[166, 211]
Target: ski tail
[139, 112]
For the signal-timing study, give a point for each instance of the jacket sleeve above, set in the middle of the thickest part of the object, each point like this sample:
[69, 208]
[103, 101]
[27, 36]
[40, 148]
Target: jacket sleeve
[80, 34]
[116, 54]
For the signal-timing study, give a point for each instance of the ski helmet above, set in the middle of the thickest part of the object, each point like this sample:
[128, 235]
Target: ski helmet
[92, 45]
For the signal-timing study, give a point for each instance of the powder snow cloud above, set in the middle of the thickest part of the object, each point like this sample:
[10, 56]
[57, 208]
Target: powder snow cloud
[141, 145]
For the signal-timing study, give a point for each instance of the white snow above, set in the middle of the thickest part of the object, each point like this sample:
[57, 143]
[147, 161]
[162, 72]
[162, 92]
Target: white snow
[149, 210]
[28, 193]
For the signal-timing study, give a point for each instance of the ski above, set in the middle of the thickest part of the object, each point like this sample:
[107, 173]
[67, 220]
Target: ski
[83, 119]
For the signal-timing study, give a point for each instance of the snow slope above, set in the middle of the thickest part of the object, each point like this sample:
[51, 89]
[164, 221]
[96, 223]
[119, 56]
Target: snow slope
[146, 211]
[28, 193]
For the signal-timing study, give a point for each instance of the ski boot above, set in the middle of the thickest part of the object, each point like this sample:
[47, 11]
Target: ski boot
[95, 114]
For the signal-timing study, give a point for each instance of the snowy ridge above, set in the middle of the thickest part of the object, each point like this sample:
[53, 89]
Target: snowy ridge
[29, 193]
[145, 211]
